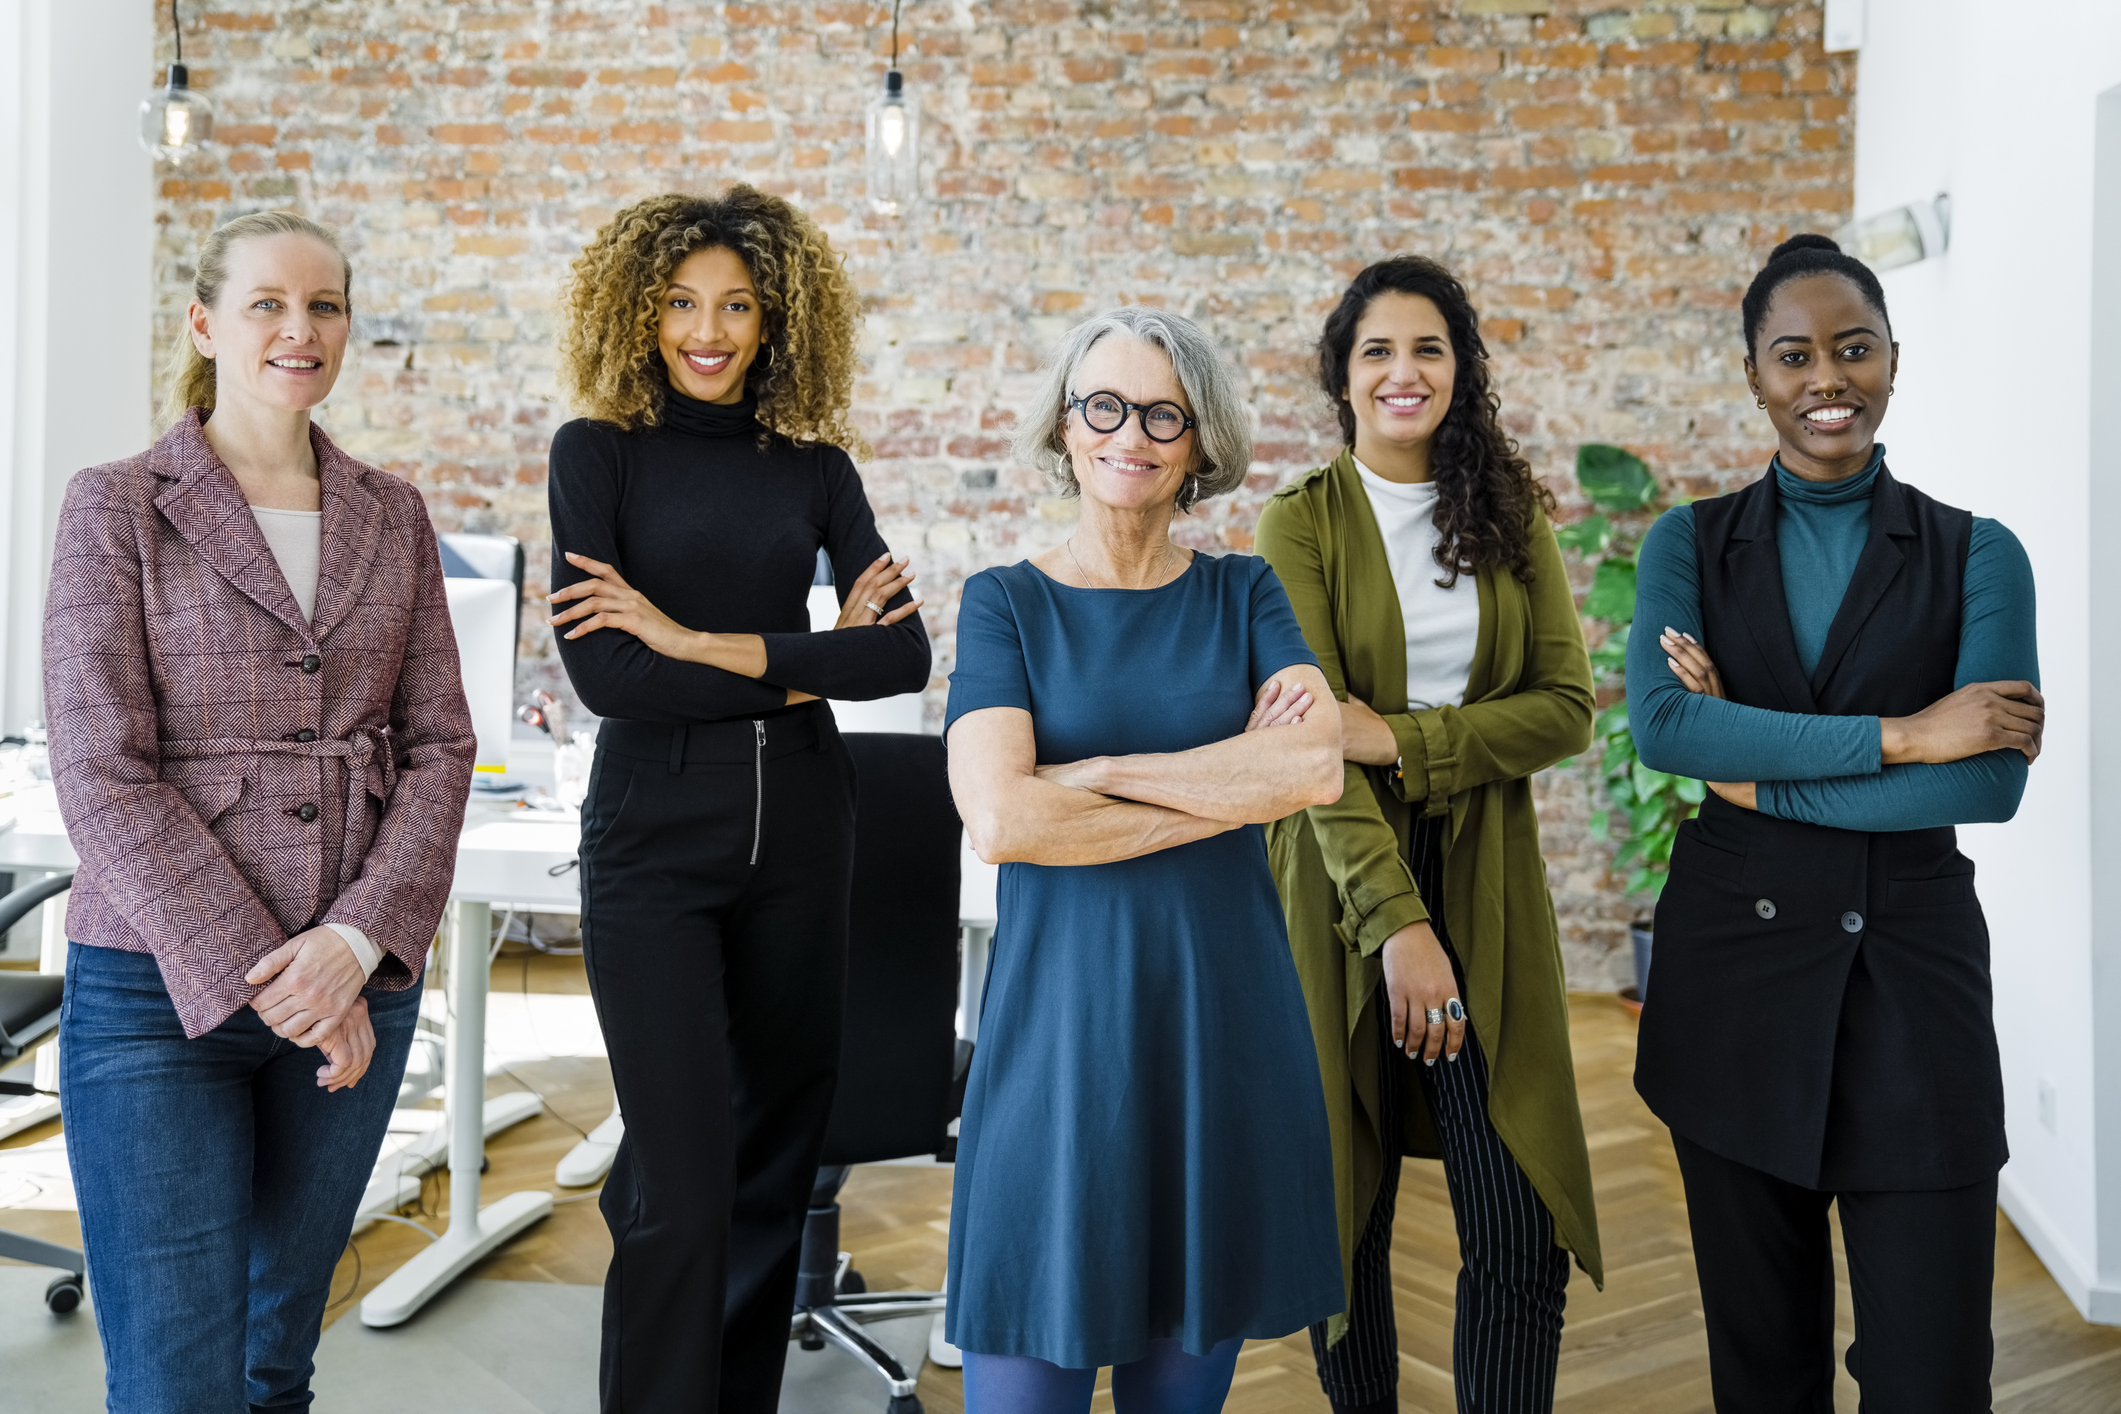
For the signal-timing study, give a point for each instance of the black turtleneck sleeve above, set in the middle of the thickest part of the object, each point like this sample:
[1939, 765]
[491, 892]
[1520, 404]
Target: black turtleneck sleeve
[722, 535]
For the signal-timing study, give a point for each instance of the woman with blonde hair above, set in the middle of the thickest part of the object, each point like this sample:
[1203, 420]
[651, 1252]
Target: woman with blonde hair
[711, 341]
[262, 752]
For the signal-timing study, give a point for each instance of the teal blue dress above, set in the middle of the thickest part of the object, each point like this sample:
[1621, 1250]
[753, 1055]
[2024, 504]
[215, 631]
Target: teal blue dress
[1143, 1153]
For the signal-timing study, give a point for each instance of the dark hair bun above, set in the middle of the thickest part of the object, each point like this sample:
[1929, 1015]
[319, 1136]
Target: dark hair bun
[1807, 241]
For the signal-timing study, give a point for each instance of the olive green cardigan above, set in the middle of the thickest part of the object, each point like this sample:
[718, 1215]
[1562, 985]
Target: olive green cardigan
[1342, 868]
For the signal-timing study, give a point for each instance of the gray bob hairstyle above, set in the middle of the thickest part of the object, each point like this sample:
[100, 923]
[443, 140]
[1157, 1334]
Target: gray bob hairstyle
[1223, 439]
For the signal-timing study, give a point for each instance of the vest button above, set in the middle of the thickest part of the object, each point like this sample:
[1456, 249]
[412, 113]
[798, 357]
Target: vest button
[305, 735]
[311, 663]
[1765, 908]
[1852, 922]
[306, 812]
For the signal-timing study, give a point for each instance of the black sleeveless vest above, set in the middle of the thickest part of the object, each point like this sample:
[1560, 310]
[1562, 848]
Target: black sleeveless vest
[1820, 1007]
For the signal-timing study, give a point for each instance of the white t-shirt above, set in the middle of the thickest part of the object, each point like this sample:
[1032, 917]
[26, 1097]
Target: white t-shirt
[1443, 625]
[296, 539]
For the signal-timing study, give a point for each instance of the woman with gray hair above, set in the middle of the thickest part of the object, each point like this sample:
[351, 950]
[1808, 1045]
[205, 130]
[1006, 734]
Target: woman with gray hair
[1143, 1175]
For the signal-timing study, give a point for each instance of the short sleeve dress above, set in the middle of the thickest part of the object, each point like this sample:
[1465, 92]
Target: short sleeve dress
[1143, 1153]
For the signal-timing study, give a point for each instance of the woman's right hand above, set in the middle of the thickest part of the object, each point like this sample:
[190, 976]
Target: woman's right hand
[879, 584]
[1978, 718]
[1418, 980]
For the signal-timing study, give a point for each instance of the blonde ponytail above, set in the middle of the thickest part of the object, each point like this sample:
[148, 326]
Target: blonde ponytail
[191, 373]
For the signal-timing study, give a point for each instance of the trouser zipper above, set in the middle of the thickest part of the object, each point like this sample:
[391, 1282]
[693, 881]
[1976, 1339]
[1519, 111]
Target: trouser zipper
[758, 787]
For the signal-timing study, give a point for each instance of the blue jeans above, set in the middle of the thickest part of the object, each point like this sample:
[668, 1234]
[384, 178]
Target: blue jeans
[217, 1184]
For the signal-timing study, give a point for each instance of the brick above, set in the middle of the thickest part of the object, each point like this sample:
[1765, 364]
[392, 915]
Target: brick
[735, 131]
[470, 134]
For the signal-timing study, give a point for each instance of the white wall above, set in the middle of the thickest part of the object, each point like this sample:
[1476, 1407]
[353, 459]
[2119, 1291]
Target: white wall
[1999, 106]
[76, 242]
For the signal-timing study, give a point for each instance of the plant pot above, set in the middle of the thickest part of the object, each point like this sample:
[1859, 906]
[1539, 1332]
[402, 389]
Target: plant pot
[1639, 933]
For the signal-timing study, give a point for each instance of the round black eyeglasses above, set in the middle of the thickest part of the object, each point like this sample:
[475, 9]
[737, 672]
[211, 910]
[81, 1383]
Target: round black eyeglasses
[1107, 412]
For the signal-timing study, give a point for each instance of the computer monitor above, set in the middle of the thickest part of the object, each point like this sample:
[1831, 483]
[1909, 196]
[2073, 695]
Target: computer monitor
[483, 612]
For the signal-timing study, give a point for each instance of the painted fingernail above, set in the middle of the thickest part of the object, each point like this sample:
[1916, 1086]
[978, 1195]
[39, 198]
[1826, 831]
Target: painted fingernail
[1430, 1063]
[1452, 1057]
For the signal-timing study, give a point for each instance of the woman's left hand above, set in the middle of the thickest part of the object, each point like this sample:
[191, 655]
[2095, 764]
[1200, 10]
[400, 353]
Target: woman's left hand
[606, 600]
[1743, 794]
[349, 1051]
[1690, 663]
[878, 585]
[309, 983]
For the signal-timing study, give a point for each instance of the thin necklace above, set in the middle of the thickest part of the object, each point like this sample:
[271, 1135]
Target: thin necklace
[1069, 546]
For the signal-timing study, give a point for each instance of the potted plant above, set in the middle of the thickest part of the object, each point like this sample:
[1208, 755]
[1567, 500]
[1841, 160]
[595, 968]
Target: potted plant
[1649, 804]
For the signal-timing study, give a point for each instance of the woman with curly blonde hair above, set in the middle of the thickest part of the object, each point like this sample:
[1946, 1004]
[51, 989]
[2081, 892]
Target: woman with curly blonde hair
[711, 342]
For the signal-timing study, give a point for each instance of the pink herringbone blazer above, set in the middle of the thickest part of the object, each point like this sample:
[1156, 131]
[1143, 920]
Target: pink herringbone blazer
[229, 773]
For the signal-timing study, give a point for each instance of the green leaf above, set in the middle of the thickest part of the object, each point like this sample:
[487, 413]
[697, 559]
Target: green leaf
[1646, 817]
[1613, 721]
[1627, 851]
[1691, 791]
[1601, 824]
[1614, 479]
[1587, 537]
[1621, 791]
[1649, 781]
[1646, 880]
[1612, 595]
[1658, 848]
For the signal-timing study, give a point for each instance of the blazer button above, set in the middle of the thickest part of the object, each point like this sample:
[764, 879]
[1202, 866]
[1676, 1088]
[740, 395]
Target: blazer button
[305, 735]
[311, 663]
[306, 812]
[1852, 922]
[1765, 907]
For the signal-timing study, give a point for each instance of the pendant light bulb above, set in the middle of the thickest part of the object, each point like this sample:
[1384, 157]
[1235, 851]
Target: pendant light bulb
[174, 121]
[894, 148]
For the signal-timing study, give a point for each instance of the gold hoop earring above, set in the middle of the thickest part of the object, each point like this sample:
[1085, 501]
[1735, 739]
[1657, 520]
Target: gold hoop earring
[1760, 403]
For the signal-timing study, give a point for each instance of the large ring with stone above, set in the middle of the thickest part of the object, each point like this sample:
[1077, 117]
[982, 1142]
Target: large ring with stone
[1454, 1009]
[1434, 1016]
[872, 607]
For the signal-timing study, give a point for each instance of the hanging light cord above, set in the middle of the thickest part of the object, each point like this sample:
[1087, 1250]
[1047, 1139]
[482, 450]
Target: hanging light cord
[894, 28]
[176, 28]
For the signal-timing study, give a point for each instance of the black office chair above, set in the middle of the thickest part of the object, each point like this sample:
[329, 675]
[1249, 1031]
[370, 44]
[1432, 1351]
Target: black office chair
[901, 1082]
[29, 1011]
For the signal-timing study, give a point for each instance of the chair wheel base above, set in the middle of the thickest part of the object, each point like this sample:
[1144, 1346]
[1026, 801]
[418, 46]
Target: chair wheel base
[905, 1404]
[63, 1296]
[811, 1340]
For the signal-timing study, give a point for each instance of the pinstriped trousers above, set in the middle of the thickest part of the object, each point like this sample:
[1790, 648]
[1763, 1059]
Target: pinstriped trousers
[1514, 1281]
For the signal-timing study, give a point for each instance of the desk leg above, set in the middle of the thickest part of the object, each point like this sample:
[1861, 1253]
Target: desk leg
[473, 1232]
[972, 979]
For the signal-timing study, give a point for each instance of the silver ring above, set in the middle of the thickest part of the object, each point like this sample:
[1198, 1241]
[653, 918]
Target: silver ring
[872, 606]
[1454, 1009]
[1434, 1016]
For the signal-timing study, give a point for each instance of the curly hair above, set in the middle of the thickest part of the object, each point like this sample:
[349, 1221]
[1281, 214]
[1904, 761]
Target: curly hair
[803, 377]
[1485, 492]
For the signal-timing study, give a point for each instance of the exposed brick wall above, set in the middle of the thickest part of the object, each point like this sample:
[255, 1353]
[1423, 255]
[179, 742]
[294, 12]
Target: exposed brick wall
[1605, 174]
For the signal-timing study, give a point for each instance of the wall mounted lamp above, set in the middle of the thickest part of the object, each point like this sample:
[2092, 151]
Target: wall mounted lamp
[174, 121]
[894, 149]
[1900, 236]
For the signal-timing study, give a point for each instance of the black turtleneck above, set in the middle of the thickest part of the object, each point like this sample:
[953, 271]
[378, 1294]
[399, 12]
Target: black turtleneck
[723, 537]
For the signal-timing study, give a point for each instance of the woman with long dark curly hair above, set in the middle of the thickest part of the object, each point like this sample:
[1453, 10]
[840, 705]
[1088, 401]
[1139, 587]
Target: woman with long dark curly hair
[711, 340]
[1427, 579]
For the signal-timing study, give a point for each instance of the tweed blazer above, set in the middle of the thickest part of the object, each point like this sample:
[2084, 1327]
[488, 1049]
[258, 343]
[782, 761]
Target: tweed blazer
[229, 772]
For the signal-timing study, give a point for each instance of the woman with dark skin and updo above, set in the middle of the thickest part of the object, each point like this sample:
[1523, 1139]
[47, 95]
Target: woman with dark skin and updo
[1851, 666]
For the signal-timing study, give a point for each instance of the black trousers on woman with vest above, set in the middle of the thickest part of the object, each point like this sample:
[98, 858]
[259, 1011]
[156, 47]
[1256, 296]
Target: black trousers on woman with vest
[716, 864]
[1513, 1284]
[1819, 1023]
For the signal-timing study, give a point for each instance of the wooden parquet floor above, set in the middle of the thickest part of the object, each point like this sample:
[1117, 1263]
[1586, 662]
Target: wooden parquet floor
[1635, 1348]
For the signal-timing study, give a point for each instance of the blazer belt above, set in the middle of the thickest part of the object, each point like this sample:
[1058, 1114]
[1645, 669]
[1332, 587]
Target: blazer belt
[371, 765]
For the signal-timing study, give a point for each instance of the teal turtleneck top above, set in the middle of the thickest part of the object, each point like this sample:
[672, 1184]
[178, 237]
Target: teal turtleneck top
[1821, 769]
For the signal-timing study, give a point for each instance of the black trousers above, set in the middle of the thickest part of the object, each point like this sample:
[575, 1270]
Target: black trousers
[1513, 1284]
[714, 924]
[1922, 1270]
